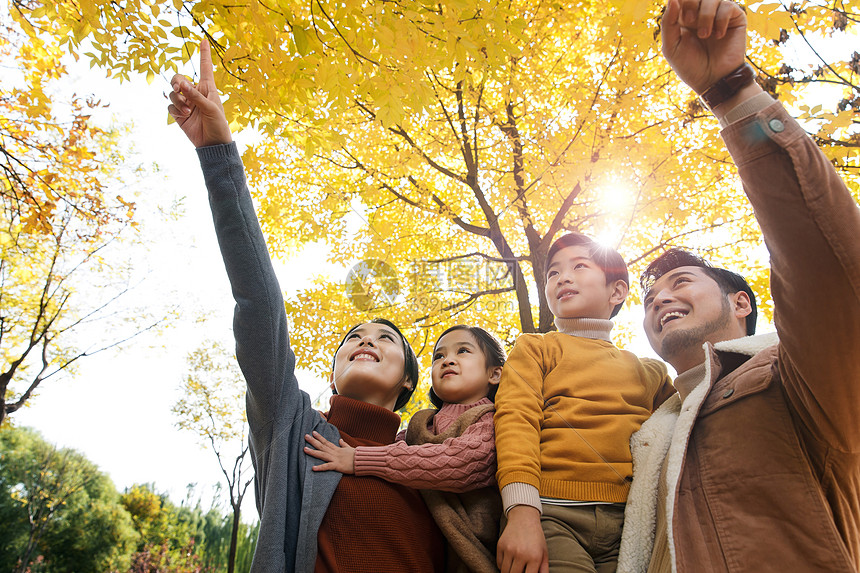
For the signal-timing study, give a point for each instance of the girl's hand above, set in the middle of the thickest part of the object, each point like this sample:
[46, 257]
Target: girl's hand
[339, 458]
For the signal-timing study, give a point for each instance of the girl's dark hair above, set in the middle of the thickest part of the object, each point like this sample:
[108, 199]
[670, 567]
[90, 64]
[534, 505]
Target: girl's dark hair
[490, 345]
[410, 361]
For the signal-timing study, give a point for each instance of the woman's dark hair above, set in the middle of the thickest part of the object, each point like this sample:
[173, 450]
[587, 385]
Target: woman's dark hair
[490, 345]
[410, 361]
[728, 281]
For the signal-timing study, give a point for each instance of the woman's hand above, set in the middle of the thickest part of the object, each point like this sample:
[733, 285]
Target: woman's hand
[197, 109]
[339, 458]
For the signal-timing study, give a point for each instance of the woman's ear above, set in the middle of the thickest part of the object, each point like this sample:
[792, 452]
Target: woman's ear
[495, 374]
[331, 383]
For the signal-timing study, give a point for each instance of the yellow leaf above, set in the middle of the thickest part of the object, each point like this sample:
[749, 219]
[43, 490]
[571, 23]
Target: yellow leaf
[768, 20]
[301, 39]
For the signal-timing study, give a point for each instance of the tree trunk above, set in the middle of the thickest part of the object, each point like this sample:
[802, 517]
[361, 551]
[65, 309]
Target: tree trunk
[234, 536]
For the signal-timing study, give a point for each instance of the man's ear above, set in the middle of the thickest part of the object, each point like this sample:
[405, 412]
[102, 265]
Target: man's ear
[331, 383]
[619, 292]
[741, 305]
[495, 374]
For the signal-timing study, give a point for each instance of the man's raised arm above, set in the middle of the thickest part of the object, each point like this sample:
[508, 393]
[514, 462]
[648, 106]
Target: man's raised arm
[808, 218]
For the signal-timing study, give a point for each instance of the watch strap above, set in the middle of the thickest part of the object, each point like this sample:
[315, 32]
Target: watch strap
[728, 86]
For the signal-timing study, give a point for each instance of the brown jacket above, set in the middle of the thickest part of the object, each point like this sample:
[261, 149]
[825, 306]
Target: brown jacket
[763, 467]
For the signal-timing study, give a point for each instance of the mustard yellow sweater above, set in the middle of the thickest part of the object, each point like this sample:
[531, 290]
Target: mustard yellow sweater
[565, 410]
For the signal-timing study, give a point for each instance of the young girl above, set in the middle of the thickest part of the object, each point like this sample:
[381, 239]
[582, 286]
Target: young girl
[448, 453]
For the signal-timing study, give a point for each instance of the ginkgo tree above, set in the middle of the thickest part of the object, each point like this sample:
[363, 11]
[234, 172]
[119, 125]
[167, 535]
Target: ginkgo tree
[57, 221]
[446, 144]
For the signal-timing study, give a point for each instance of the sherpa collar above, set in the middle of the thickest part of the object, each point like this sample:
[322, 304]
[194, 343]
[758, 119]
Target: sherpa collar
[664, 436]
[748, 345]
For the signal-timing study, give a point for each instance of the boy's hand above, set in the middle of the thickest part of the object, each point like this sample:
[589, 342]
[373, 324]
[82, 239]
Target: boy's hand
[522, 546]
[339, 458]
[198, 109]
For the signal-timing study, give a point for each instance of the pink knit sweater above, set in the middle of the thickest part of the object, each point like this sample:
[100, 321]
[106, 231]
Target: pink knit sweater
[459, 464]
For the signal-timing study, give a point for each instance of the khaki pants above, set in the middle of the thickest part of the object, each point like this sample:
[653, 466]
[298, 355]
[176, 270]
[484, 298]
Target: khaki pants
[583, 538]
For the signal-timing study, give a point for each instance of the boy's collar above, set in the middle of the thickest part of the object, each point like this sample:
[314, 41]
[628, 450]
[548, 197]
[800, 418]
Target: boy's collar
[596, 328]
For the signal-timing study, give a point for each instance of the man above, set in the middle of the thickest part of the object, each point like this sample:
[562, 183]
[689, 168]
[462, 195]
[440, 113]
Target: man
[755, 465]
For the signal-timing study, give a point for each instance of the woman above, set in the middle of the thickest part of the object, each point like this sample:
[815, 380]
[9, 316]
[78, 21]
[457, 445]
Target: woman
[320, 521]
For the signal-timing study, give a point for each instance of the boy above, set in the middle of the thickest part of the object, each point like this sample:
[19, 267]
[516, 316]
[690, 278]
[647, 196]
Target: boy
[567, 405]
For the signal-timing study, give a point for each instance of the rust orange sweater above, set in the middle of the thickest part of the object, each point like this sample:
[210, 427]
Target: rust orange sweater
[372, 524]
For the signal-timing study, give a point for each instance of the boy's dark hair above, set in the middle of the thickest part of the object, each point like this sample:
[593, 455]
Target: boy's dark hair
[490, 345]
[728, 281]
[608, 259]
[410, 361]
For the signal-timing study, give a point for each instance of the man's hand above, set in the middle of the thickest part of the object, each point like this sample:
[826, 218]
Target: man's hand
[703, 40]
[339, 458]
[522, 546]
[198, 109]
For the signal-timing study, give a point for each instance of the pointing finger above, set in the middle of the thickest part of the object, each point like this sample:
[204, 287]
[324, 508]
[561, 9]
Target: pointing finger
[206, 74]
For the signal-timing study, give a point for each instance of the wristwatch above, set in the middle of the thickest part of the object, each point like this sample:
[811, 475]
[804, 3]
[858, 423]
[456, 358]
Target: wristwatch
[728, 86]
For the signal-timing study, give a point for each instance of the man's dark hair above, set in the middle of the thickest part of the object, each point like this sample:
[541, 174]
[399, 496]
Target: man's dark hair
[608, 259]
[410, 361]
[728, 281]
[494, 355]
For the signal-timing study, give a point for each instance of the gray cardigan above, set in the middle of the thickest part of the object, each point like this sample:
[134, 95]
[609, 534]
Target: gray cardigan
[291, 499]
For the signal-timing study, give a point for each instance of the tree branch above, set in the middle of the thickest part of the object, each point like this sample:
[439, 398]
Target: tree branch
[468, 301]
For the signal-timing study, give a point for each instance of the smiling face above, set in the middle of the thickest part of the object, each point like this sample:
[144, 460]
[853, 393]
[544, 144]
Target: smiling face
[576, 286]
[460, 372]
[686, 308]
[369, 366]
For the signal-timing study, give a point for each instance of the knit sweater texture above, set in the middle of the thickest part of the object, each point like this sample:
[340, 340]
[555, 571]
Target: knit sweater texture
[460, 463]
[469, 519]
[373, 524]
[565, 410]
